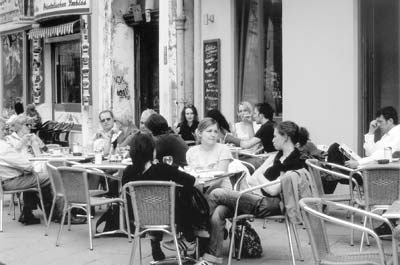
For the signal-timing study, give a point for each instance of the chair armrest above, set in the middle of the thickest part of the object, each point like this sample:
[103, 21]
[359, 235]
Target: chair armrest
[239, 181]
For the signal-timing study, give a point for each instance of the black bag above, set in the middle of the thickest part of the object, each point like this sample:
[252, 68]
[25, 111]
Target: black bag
[251, 242]
[111, 219]
[200, 209]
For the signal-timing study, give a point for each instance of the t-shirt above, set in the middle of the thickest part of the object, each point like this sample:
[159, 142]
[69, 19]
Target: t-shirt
[266, 134]
[186, 131]
[171, 145]
[197, 157]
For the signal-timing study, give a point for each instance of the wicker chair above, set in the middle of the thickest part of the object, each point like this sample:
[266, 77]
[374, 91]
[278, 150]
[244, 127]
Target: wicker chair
[237, 219]
[153, 204]
[75, 188]
[317, 167]
[13, 192]
[381, 188]
[315, 221]
[56, 183]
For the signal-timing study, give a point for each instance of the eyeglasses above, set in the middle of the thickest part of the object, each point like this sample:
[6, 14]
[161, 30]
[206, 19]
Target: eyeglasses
[106, 119]
[28, 124]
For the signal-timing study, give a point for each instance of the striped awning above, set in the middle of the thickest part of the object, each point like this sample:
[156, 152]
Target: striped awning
[47, 32]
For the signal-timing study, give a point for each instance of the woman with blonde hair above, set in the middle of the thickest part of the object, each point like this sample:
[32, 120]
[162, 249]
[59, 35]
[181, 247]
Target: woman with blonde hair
[209, 154]
[244, 129]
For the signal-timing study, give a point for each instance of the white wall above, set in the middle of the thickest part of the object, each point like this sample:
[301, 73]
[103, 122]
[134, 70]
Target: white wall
[320, 86]
[222, 28]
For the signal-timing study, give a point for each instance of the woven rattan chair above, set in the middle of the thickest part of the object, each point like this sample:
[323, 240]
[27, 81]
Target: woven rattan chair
[381, 188]
[13, 192]
[153, 204]
[75, 188]
[315, 220]
[238, 219]
[56, 183]
[317, 168]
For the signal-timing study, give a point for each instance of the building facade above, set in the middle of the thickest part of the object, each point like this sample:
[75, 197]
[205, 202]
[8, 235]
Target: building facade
[327, 65]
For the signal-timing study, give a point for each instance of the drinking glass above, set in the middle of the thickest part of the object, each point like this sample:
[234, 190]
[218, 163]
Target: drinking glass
[168, 160]
[125, 152]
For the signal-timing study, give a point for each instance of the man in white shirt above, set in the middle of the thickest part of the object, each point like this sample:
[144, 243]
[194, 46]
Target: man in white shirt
[108, 133]
[16, 172]
[386, 120]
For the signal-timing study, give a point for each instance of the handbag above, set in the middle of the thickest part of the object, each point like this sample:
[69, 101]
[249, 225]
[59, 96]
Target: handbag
[251, 241]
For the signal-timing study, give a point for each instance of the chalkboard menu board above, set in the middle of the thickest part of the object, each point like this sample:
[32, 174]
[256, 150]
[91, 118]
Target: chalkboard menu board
[211, 74]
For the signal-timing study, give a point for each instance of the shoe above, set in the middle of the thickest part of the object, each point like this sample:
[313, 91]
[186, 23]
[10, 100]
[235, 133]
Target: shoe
[156, 251]
[74, 220]
[185, 246]
[383, 230]
[31, 220]
[204, 262]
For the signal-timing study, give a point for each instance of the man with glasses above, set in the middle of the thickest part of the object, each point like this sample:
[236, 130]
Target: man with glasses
[107, 134]
[16, 172]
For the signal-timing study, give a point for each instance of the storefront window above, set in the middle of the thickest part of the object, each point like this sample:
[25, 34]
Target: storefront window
[12, 61]
[68, 72]
[259, 52]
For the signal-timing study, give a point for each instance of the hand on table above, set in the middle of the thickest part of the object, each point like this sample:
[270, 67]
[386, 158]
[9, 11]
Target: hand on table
[351, 164]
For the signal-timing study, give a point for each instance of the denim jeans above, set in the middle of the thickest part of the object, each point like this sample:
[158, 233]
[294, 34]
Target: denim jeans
[222, 206]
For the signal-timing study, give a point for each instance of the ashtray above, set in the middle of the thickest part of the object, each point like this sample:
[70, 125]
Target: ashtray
[383, 161]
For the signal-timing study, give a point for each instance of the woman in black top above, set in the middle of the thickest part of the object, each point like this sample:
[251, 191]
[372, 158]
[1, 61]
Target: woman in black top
[189, 121]
[143, 153]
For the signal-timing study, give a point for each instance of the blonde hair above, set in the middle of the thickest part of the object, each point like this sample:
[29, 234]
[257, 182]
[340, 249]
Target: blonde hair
[247, 105]
[203, 125]
[19, 122]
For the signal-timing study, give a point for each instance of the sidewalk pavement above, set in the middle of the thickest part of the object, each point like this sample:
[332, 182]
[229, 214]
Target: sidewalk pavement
[27, 245]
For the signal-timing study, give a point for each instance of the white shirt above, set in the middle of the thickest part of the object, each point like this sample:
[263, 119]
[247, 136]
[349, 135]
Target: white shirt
[12, 163]
[375, 150]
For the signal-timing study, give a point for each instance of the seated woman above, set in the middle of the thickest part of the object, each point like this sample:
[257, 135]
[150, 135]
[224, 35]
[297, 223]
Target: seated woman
[189, 122]
[143, 154]
[209, 154]
[33, 114]
[262, 203]
[244, 129]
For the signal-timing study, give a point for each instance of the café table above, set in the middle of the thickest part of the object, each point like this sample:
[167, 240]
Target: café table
[47, 157]
[107, 165]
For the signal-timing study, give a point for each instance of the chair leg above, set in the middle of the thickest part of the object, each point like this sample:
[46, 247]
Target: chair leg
[352, 230]
[89, 221]
[232, 242]
[178, 254]
[50, 215]
[61, 226]
[135, 243]
[363, 234]
[289, 234]
[1, 212]
[69, 218]
[239, 254]
[128, 227]
[296, 237]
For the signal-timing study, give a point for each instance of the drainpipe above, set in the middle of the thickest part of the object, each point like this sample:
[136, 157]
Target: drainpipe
[180, 56]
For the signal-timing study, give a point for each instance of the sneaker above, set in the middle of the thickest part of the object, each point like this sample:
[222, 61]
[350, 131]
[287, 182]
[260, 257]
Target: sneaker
[383, 230]
[184, 245]
[204, 262]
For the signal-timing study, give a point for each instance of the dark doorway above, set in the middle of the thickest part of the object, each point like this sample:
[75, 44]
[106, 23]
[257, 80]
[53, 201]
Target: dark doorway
[379, 58]
[146, 68]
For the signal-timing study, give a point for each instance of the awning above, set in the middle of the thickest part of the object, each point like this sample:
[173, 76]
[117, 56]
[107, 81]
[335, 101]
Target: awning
[47, 32]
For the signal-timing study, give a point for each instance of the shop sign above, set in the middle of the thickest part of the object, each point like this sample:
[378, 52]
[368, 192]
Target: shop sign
[50, 8]
[8, 10]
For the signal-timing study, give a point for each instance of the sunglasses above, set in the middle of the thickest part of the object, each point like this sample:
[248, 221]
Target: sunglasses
[106, 119]
[28, 125]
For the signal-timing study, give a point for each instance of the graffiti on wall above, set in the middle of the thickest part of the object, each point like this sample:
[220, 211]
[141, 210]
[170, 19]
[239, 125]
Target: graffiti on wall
[121, 87]
[12, 57]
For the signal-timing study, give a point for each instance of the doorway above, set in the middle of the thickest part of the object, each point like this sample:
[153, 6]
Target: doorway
[379, 58]
[146, 68]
